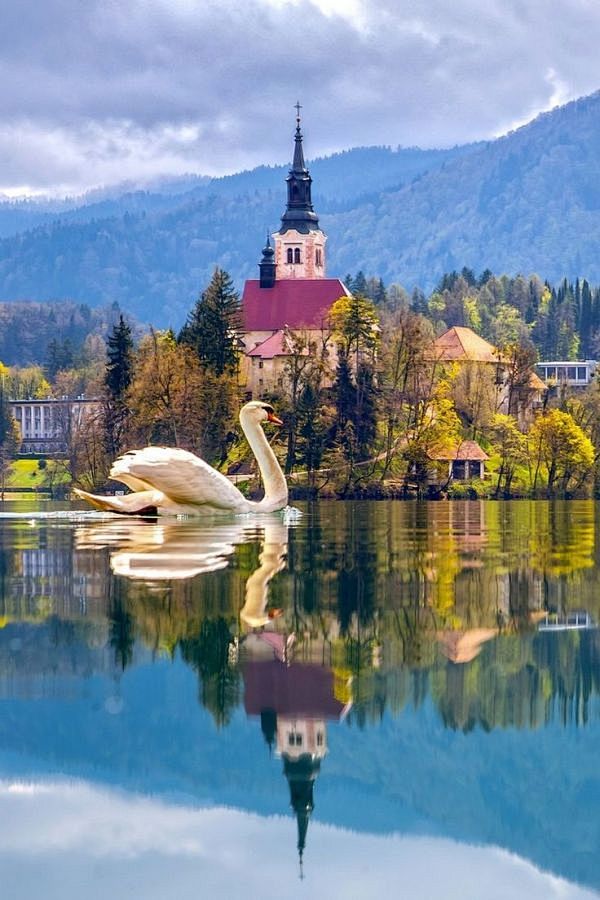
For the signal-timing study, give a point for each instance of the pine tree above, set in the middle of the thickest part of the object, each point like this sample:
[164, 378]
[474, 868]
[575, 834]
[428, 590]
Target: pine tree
[365, 410]
[119, 366]
[344, 391]
[418, 302]
[359, 285]
[212, 326]
[311, 430]
[117, 379]
[585, 320]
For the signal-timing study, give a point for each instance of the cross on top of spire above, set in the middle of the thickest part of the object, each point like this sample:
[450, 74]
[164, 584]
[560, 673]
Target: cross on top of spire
[298, 165]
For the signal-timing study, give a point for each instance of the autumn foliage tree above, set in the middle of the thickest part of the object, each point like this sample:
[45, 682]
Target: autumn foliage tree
[561, 451]
[175, 401]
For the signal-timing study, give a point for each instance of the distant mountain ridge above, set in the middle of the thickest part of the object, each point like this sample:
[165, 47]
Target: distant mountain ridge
[527, 202]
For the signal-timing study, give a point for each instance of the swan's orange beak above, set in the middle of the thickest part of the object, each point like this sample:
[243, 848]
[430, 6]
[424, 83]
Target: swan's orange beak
[271, 417]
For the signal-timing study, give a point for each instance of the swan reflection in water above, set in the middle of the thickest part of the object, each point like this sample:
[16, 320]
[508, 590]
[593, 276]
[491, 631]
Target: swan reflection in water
[157, 551]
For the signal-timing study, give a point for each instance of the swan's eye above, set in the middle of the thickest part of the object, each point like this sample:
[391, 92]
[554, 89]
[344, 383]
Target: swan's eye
[269, 409]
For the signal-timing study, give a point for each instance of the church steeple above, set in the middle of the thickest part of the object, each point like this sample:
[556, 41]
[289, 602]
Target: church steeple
[299, 214]
[301, 773]
[299, 243]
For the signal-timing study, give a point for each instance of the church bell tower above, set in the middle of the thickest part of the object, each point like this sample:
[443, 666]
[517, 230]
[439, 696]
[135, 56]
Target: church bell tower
[299, 243]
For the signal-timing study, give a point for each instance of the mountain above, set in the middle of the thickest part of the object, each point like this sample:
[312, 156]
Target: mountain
[526, 202]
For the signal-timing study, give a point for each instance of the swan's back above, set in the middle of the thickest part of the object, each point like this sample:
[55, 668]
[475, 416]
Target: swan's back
[181, 476]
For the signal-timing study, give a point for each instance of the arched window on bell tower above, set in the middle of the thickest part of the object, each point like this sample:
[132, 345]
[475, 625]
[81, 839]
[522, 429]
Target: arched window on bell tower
[290, 255]
[297, 255]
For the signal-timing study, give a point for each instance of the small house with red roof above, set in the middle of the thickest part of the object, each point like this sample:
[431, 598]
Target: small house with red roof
[292, 293]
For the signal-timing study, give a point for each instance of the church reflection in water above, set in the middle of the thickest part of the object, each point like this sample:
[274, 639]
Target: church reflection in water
[294, 702]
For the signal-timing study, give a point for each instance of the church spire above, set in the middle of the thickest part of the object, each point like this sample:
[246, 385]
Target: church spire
[298, 165]
[299, 243]
[299, 214]
[301, 774]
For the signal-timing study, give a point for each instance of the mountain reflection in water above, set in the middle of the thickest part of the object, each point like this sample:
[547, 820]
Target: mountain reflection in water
[388, 658]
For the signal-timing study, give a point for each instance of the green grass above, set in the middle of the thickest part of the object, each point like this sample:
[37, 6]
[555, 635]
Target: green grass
[25, 473]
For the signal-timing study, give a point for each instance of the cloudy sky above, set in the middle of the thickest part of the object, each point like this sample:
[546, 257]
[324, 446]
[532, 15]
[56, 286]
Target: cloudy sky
[80, 840]
[98, 91]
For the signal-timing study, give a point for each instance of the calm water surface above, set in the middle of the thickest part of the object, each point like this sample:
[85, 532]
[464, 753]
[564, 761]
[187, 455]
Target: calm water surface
[371, 697]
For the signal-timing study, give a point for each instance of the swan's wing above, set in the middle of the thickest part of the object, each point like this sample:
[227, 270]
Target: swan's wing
[181, 476]
[142, 502]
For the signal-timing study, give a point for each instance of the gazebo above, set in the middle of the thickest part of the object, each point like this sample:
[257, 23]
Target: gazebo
[465, 460]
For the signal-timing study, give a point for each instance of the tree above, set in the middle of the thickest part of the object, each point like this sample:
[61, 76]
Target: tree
[365, 411]
[117, 379]
[174, 401]
[402, 368]
[433, 425]
[518, 360]
[60, 355]
[511, 446]
[24, 383]
[355, 325]
[312, 430]
[561, 449]
[213, 324]
[208, 653]
[9, 435]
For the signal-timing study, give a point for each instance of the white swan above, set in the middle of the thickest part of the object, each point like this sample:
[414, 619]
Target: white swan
[170, 482]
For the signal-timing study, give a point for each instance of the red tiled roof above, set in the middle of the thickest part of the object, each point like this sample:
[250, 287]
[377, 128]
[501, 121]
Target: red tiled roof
[302, 689]
[276, 345]
[295, 302]
[465, 450]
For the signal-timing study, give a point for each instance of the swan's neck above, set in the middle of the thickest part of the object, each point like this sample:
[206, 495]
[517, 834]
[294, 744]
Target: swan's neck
[276, 491]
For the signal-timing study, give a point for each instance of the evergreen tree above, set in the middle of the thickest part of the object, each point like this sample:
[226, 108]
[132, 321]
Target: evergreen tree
[344, 391]
[311, 430]
[117, 379]
[119, 365]
[365, 411]
[418, 302]
[212, 326]
[59, 356]
[585, 320]
[208, 653]
[380, 294]
[359, 285]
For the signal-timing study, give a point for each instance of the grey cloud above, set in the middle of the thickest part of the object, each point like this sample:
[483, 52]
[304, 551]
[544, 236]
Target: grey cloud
[92, 87]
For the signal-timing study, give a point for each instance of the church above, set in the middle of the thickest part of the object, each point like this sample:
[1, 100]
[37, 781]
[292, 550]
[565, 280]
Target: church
[292, 294]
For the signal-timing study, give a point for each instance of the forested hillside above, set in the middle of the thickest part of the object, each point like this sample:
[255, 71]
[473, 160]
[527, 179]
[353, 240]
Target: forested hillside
[153, 252]
[53, 334]
[525, 203]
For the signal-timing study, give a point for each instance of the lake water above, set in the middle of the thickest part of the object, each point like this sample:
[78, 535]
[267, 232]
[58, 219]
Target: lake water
[368, 698]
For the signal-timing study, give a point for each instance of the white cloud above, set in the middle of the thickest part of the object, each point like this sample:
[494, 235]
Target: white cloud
[99, 91]
[79, 840]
